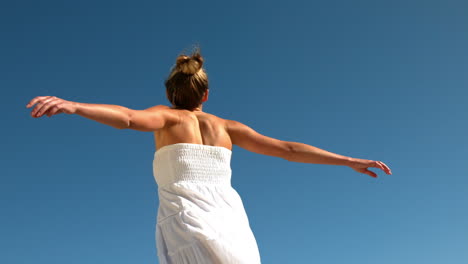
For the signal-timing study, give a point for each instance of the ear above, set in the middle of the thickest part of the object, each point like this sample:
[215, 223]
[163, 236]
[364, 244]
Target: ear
[205, 96]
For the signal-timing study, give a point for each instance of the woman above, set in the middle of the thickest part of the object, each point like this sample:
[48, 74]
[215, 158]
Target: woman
[201, 218]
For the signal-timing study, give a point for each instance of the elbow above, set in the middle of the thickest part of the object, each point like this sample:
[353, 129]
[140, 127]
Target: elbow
[138, 126]
[127, 121]
[123, 127]
[289, 151]
[125, 124]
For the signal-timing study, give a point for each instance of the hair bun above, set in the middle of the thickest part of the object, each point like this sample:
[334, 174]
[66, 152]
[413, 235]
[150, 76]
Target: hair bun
[189, 65]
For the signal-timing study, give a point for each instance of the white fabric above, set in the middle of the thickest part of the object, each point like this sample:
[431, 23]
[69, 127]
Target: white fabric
[201, 218]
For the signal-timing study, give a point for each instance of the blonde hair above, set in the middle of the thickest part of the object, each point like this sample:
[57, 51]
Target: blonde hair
[187, 82]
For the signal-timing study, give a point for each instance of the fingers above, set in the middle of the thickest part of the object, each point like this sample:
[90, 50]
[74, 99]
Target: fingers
[383, 166]
[370, 173]
[54, 110]
[48, 107]
[365, 164]
[35, 100]
[43, 105]
[377, 164]
[366, 171]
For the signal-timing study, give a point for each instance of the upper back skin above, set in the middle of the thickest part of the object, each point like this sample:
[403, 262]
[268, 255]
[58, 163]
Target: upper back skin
[195, 127]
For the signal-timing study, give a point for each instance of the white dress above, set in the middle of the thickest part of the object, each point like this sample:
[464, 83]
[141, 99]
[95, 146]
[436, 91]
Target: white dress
[201, 218]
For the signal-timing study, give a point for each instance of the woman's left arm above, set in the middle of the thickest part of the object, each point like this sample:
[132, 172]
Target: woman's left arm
[112, 115]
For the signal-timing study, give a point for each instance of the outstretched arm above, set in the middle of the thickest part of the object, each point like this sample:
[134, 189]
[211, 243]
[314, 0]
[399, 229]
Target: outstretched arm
[113, 115]
[247, 138]
[116, 116]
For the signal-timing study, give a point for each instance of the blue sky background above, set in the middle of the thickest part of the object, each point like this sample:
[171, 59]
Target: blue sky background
[381, 80]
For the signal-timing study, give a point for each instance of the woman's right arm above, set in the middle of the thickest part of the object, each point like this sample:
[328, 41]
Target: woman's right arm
[247, 138]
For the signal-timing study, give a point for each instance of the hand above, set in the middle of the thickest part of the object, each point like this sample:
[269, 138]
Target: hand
[51, 105]
[361, 165]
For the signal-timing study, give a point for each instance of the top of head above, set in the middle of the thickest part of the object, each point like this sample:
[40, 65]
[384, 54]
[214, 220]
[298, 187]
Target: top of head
[189, 65]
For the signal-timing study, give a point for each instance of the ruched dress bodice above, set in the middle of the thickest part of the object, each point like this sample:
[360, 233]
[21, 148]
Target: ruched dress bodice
[201, 218]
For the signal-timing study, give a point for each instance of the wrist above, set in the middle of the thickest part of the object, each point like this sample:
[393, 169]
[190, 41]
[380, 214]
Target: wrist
[75, 107]
[350, 161]
[79, 107]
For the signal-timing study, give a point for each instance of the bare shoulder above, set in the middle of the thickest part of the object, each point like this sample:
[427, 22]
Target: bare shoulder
[233, 126]
[162, 107]
[152, 118]
[237, 130]
[247, 138]
[171, 115]
[158, 107]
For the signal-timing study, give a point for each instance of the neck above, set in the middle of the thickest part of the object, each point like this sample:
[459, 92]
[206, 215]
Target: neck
[199, 108]
[196, 109]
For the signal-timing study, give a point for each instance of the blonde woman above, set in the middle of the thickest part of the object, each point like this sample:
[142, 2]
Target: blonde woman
[201, 218]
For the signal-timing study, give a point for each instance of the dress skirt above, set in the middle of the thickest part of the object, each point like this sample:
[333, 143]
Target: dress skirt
[201, 218]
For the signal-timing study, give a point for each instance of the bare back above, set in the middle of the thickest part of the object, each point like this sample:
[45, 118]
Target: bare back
[194, 127]
[171, 126]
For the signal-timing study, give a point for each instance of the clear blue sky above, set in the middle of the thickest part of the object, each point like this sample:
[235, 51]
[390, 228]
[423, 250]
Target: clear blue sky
[380, 80]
